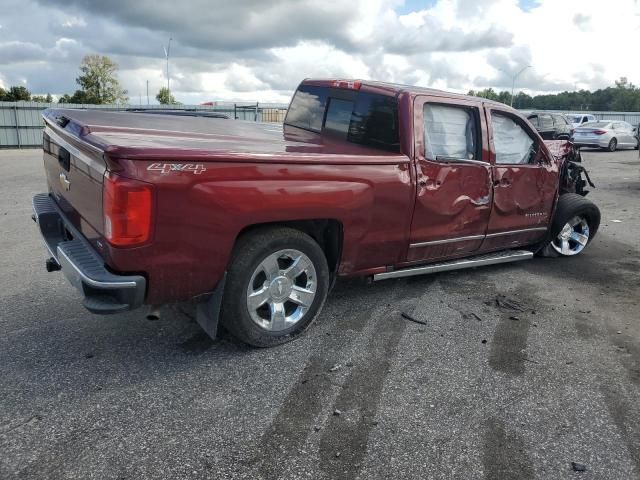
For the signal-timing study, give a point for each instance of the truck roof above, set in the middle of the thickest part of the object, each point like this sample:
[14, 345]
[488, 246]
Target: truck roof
[392, 88]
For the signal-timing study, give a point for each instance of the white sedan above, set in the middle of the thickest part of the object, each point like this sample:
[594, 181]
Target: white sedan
[609, 135]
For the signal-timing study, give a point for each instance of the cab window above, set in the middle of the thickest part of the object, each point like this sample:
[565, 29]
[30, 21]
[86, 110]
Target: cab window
[450, 132]
[512, 144]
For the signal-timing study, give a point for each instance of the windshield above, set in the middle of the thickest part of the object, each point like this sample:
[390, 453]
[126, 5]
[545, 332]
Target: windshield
[358, 117]
[575, 118]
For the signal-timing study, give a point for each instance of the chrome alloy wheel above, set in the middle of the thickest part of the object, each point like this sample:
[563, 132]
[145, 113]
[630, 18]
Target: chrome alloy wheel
[573, 237]
[281, 290]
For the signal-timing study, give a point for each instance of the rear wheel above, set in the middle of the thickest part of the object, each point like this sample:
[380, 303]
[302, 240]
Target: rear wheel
[613, 144]
[574, 225]
[276, 286]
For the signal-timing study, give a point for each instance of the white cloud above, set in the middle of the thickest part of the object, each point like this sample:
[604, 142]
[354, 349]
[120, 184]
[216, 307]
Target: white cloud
[255, 50]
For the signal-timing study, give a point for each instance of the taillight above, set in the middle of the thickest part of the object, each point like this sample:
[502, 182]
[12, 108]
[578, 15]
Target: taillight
[127, 206]
[599, 132]
[348, 84]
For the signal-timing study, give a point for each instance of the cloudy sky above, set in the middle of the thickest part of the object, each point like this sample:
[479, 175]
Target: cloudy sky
[261, 49]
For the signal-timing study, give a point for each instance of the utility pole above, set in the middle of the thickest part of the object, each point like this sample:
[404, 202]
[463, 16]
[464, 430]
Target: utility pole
[147, 92]
[167, 52]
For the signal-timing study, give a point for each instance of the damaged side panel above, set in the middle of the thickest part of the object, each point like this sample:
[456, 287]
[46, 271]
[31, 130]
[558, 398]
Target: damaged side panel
[571, 169]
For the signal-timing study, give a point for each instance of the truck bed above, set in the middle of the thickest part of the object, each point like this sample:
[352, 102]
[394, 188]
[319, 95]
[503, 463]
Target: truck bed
[139, 135]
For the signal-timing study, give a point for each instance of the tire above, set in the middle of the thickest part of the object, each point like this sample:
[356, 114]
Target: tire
[253, 277]
[613, 144]
[572, 206]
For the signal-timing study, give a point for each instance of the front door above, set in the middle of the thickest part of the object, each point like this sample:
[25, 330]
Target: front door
[525, 182]
[453, 174]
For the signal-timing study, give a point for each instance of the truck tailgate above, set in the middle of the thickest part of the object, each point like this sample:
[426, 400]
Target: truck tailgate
[75, 173]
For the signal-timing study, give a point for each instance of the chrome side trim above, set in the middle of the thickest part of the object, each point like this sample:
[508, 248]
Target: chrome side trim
[513, 232]
[446, 240]
[475, 237]
[482, 260]
[443, 159]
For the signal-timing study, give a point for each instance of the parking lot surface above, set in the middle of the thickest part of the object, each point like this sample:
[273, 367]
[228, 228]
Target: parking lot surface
[518, 371]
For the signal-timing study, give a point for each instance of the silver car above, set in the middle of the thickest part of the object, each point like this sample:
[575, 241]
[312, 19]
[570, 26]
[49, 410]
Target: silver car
[609, 135]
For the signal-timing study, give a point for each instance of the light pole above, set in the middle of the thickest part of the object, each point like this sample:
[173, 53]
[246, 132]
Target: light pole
[167, 52]
[513, 82]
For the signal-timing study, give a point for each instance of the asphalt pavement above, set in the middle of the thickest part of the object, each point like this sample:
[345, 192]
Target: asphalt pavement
[518, 370]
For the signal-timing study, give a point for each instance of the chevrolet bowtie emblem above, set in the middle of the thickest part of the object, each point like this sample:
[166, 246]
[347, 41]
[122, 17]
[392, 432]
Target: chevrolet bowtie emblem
[64, 181]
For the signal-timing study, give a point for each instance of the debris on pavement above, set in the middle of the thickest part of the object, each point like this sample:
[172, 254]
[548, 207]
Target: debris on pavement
[578, 467]
[410, 318]
[502, 301]
[616, 221]
[337, 412]
[513, 317]
[335, 367]
[484, 341]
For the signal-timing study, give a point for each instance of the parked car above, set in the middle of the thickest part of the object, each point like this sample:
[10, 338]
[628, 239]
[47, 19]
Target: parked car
[252, 223]
[609, 135]
[579, 119]
[551, 126]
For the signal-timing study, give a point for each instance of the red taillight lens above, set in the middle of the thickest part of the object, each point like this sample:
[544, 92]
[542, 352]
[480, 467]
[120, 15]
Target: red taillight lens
[348, 84]
[599, 132]
[127, 206]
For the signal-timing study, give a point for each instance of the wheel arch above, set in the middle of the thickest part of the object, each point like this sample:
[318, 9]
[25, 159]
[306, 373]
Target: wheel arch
[327, 232]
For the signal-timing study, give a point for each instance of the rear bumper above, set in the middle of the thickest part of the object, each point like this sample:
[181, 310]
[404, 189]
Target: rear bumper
[104, 292]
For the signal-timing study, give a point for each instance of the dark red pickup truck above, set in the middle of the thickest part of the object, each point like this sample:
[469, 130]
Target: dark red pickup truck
[251, 222]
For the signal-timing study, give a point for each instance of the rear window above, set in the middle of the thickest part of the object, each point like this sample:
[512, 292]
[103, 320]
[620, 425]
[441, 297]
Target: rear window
[358, 117]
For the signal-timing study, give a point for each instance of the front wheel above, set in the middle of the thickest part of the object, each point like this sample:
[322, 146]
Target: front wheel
[276, 286]
[574, 225]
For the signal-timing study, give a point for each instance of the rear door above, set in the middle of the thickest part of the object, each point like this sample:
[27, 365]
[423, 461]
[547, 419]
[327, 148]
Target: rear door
[453, 193]
[525, 181]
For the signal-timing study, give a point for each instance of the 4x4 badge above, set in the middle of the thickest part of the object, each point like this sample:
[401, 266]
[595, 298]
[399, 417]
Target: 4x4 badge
[195, 168]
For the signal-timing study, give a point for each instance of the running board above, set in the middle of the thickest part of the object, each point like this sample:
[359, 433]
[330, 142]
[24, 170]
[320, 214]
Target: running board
[505, 256]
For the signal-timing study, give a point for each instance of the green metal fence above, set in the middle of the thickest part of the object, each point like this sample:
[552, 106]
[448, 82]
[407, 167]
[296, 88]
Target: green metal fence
[21, 122]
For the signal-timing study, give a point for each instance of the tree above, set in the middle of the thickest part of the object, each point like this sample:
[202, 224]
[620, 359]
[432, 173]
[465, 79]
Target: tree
[98, 81]
[15, 94]
[165, 98]
[42, 98]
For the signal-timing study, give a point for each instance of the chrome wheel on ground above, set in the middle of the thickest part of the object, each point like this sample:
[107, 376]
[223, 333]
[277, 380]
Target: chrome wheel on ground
[277, 282]
[613, 144]
[573, 237]
[281, 290]
[574, 225]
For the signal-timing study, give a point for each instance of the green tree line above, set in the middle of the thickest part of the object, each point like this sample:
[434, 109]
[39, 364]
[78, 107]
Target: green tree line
[98, 84]
[623, 97]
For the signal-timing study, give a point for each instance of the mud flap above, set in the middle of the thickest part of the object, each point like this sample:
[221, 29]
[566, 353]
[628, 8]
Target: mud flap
[208, 309]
